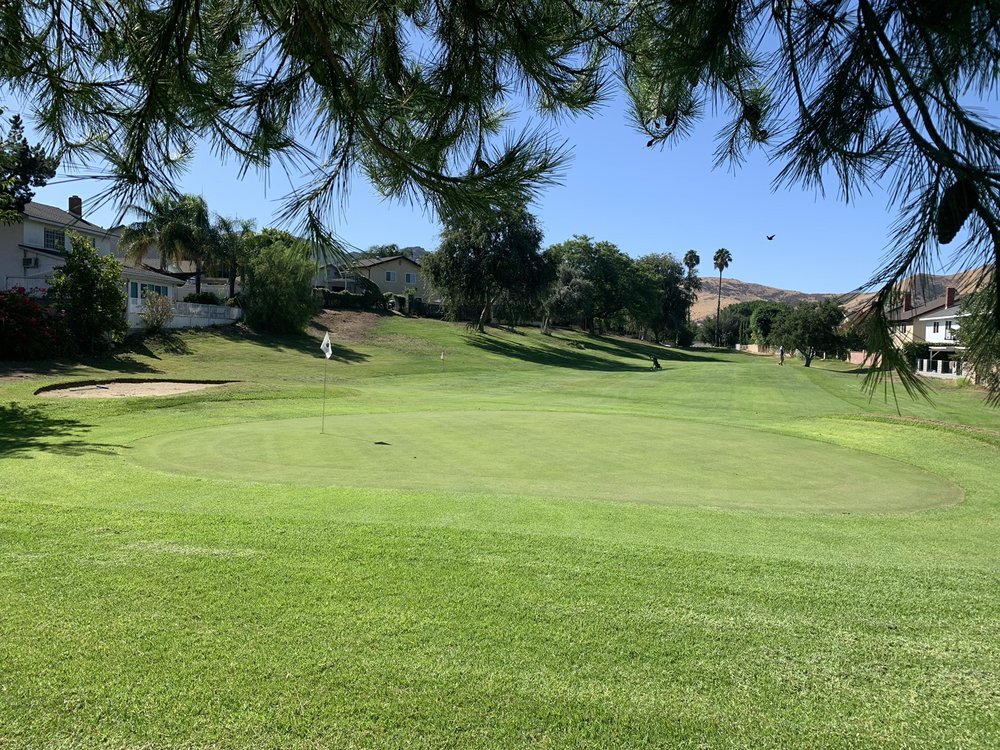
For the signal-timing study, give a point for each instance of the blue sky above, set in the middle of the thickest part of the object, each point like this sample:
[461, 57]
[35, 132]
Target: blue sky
[643, 200]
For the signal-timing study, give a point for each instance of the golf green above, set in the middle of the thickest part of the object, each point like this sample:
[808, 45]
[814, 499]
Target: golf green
[600, 457]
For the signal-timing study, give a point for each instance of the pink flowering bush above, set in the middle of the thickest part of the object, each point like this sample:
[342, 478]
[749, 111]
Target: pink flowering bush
[28, 329]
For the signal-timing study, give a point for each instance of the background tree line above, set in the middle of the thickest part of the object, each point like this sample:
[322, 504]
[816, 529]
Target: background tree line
[494, 268]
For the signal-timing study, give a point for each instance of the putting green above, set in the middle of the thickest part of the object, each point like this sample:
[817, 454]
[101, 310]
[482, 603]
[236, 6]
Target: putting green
[553, 454]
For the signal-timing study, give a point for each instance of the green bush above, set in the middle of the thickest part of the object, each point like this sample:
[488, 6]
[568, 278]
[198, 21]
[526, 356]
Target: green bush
[278, 292]
[90, 292]
[344, 300]
[29, 330]
[203, 298]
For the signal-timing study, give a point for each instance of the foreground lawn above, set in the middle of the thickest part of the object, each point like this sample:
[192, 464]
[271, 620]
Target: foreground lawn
[497, 541]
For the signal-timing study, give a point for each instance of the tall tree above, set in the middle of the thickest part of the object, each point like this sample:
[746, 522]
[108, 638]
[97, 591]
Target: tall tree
[607, 269]
[811, 328]
[693, 284]
[231, 246]
[480, 259]
[721, 261]
[570, 297]
[670, 306]
[22, 167]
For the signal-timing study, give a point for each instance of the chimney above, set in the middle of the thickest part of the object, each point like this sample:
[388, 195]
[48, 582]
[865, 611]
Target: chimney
[907, 301]
[76, 206]
[950, 296]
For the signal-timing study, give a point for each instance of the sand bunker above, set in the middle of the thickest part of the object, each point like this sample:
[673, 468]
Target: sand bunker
[129, 389]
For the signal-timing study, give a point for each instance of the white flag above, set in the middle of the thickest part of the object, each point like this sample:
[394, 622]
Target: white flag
[326, 346]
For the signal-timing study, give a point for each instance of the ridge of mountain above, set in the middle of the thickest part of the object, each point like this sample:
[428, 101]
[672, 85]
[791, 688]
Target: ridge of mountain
[924, 287]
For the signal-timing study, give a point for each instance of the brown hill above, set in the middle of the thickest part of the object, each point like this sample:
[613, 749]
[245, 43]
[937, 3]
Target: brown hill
[734, 290]
[925, 287]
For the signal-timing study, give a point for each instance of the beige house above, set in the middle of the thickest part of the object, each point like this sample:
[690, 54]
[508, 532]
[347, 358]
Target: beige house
[395, 274]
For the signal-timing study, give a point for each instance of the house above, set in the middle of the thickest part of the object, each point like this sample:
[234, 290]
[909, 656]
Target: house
[33, 249]
[936, 324]
[394, 274]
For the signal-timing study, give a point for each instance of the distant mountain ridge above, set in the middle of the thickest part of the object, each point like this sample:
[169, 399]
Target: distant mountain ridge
[925, 287]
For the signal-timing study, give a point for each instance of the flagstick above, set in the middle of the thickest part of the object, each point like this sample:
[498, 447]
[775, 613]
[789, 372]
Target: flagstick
[323, 423]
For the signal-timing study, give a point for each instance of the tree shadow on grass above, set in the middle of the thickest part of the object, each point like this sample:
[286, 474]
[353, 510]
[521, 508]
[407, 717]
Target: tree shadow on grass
[592, 354]
[120, 362]
[296, 342]
[24, 429]
[618, 347]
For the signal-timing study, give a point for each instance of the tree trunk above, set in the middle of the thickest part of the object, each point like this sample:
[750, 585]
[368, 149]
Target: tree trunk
[807, 356]
[546, 325]
[197, 277]
[232, 280]
[718, 311]
[486, 315]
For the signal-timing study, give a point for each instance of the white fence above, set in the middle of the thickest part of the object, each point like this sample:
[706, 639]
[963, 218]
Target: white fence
[189, 315]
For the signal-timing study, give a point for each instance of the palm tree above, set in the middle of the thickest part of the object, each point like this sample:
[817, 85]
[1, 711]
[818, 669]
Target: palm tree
[720, 260]
[691, 283]
[176, 225]
[230, 246]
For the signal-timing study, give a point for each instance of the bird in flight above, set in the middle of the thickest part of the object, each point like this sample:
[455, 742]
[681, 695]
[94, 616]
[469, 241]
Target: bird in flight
[770, 236]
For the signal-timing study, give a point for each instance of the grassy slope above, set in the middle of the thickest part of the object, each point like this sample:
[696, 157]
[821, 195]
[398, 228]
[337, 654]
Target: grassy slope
[140, 609]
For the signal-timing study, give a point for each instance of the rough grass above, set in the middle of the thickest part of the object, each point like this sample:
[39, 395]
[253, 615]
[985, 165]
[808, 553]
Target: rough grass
[146, 601]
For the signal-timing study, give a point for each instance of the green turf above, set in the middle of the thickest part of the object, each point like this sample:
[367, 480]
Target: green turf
[551, 454]
[584, 553]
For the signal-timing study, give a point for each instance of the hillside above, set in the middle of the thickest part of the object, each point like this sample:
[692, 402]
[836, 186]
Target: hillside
[734, 290]
[925, 287]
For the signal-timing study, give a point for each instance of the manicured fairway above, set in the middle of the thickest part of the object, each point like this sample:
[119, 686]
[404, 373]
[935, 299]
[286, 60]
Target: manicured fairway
[617, 457]
[526, 542]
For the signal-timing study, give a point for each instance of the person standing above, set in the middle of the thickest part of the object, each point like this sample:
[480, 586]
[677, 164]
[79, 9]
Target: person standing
[781, 355]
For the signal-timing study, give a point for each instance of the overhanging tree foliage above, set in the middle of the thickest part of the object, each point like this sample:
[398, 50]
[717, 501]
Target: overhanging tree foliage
[414, 94]
[861, 91]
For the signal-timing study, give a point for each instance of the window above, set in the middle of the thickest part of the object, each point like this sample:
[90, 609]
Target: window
[55, 239]
[947, 325]
[411, 278]
[390, 275]
[139, 291]
[937, 327]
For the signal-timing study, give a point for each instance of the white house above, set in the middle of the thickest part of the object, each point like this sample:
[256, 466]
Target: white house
[937, 324]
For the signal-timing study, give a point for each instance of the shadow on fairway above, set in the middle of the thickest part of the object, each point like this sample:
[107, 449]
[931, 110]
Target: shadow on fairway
[594, 353]
[297, 342]
[120, 362]
[29, 428]
[625, 348]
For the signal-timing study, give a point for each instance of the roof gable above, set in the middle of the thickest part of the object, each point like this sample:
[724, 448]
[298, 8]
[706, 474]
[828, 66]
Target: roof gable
[371, 262]
[52, 215]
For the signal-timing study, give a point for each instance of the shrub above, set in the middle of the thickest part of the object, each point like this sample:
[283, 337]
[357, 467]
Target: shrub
[277, 290]
[914, 350]
[157, 312]
[685, 335]
[90, 292]
[203, 298]
[344, 300]
[27, 329]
